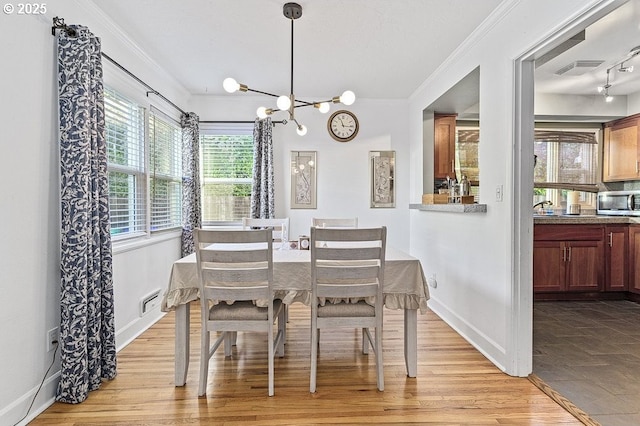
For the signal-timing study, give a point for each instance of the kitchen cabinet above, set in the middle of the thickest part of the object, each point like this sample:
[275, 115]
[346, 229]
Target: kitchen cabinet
[568, 258]
[444, 146]
[621, 147]
[634, 259]
[615, 247]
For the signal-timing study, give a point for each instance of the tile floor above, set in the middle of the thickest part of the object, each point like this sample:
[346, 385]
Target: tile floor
[589, 352]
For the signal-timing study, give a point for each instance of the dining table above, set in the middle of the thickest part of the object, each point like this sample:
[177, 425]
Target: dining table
[404, 287]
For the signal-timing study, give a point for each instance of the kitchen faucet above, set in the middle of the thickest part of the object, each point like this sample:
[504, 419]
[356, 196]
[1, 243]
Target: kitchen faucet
[542, 203]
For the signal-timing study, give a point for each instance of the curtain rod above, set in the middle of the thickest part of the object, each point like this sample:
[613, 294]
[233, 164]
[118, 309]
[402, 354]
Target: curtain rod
[58, 23]
[237, 122]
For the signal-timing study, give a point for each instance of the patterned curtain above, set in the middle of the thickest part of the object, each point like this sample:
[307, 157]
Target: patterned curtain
[191, 209]
[87, 330]
[262, 192]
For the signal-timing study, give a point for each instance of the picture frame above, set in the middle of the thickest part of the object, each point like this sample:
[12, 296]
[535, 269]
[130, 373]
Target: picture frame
[303, 167]
[382, 166]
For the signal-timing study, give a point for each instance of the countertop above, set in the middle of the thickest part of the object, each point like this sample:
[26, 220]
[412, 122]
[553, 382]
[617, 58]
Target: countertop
[583, 219]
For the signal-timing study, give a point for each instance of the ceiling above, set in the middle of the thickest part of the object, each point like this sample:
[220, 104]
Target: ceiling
[609, 40]
[377, 48]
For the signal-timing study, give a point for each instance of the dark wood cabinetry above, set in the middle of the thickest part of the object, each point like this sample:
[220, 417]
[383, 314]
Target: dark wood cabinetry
[616, 241]
[621, 149]
[634, 259]
[444, 146]
[568, 258]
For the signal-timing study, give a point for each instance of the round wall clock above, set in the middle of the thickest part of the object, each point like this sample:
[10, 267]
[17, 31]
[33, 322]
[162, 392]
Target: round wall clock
[343, 125]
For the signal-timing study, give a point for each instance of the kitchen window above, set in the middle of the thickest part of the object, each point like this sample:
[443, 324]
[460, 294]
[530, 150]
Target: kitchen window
[226, 164]
[564, 158]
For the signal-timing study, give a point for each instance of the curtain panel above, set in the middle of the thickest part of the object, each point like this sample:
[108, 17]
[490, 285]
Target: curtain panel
[87, 329]
[191, 206]
[262, 191]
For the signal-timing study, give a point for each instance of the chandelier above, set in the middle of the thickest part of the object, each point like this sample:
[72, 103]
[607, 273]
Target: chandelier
[289, 102]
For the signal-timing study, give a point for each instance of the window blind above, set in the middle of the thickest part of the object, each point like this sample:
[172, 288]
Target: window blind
[124, 124]
[165, 165]
[226, 169]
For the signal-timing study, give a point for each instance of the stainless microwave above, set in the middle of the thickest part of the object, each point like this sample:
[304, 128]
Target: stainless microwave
[619, 203]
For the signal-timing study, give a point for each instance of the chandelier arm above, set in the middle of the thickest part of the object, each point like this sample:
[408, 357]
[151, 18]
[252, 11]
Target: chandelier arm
[262, 93]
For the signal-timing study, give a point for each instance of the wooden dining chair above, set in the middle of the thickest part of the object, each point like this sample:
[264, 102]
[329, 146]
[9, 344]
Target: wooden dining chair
[347, 276]
[348, 222]
[279, 226]
[235, 269]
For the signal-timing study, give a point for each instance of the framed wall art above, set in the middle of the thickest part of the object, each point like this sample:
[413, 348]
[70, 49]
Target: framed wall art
[303, 179]
[382, 165]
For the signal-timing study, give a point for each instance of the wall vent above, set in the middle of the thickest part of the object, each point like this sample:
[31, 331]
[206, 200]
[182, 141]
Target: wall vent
[149, 302]
[579, 67]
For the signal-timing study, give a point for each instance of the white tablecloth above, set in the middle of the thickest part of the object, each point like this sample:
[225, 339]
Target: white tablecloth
[404, 283]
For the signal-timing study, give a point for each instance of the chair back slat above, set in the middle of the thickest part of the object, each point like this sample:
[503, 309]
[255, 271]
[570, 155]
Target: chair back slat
[231, 255]
[341, 291]
[348, 222]
[279, 226]
[236, 293]
[345, 253]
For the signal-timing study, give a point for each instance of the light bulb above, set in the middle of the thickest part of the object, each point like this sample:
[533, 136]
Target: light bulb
[302, 130]
[310, 163]
[348, 97]
[324, 107]
[262, 113]
[600, 89]
[230, 85]
[608, 98]
[283, 102]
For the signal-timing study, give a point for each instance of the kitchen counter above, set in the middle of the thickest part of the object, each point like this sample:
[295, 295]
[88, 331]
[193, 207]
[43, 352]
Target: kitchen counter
[583, 219]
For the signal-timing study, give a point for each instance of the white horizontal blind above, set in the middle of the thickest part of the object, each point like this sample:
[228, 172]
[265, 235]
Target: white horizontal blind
[226, 168]
[165, 162]
[124, 123]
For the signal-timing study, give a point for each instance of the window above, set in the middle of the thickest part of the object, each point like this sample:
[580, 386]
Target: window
[226, 163]
[165, 165]
[124, 124]
[565, 157]
[145, 195]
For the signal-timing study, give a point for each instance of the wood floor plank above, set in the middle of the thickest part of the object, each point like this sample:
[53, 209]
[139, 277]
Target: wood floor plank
[456, 385]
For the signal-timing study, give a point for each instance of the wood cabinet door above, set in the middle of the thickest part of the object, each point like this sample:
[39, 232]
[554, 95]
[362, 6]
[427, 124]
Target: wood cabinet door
[620, 150]
[584, 263]
[615, 246]
[634, 259]
[444, 146]
[548, 266]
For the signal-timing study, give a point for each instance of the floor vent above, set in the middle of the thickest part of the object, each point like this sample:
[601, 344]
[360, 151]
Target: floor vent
[149, 302]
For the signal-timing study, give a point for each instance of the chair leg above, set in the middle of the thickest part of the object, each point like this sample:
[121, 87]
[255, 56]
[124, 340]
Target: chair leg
[271, 361]
[204, 362]
[282, 328]
[229, 340]
[365, 342]
[314, 355]
[379, 361]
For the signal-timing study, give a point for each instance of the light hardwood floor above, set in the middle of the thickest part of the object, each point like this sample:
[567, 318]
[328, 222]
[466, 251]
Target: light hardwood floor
[456, 385]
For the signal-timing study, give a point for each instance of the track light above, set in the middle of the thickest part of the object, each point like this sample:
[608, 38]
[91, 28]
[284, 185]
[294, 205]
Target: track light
[604, 90]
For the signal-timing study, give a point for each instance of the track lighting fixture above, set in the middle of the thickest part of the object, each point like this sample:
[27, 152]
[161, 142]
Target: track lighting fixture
[604, 90]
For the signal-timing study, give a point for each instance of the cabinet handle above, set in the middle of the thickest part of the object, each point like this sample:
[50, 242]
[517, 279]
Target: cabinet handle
[610, 239]
[569, 255]
[564, 254]
[453, 166]
[636, 167]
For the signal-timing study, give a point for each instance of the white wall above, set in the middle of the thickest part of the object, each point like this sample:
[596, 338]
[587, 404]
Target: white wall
[343, 183]
[471, 254]
[29, 248]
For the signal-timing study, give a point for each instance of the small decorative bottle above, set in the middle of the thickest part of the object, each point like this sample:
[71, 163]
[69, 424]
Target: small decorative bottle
[465, 187]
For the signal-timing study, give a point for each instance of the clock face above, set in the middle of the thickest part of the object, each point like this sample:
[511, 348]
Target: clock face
[343, 126]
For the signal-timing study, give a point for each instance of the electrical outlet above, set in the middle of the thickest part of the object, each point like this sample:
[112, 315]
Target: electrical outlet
[432, 281]
[52, 339]
[499, 193]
